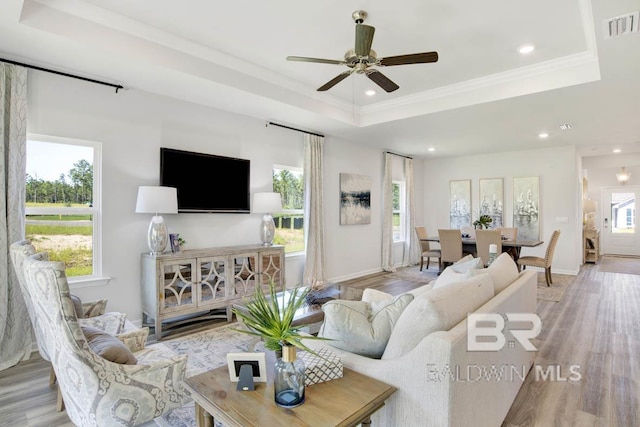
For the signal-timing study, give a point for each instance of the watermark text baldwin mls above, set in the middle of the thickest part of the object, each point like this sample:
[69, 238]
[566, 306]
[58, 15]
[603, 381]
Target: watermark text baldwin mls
[503, 373]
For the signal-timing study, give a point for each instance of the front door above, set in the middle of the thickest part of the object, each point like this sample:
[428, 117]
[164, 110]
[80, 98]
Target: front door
[619, 221]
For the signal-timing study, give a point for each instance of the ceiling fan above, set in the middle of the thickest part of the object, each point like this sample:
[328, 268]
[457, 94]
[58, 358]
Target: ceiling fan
[362, 58]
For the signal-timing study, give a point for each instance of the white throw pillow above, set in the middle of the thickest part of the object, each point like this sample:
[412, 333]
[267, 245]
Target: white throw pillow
[438, 310]
[458, 271]
[503, 271]
[467, 263]
[377, 299]
[354, 328]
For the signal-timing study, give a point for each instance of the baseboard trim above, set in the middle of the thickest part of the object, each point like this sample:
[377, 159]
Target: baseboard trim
[355, 275]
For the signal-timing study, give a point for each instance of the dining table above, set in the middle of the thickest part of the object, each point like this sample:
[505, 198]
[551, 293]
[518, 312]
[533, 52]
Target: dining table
[513, 247]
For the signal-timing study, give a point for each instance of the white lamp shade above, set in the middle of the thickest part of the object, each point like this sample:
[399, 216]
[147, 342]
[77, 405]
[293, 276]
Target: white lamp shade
[267, 203]
[590, 206]
[157, 200]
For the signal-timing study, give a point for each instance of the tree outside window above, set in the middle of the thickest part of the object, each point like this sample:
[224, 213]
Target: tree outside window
[399, 217]
[289, 182]
[62, 203]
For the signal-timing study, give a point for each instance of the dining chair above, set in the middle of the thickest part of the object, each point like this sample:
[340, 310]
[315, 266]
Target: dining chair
[427, 252]
[534, 261]
[450, 245]
[484, 238]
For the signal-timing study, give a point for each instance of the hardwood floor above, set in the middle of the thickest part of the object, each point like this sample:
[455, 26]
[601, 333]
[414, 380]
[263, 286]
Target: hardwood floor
[596, 326]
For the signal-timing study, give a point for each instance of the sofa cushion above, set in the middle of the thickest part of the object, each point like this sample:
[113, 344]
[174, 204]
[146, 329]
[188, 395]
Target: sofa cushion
[467, 263]
[458, 271]
[108, 347]
[377, 299]
[438, 310]
[503, 270]
[353, 326]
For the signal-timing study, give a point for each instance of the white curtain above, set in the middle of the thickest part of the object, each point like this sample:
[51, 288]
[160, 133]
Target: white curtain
[15, 326]
[387, 214]
[411, 244]
[313, 212]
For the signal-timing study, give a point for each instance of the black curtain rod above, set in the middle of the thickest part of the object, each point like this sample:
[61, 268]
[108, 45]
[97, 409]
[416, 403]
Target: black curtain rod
[399, 155]
[297, 130]
[60, 73]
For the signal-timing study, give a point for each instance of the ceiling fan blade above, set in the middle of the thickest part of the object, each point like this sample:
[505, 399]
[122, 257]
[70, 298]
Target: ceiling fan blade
[337, 79]
[414, 58]
[320, 60]
[364, 39]
[381, 80]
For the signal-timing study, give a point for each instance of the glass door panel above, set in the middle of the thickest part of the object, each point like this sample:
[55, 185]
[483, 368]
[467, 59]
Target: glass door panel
[619, 222]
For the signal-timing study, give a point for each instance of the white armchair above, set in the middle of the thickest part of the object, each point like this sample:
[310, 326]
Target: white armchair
[96, 391]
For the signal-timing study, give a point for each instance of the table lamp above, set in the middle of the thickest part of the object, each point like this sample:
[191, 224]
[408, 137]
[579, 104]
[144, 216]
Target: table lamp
[267, 204]
[157, 200]
[590, 208]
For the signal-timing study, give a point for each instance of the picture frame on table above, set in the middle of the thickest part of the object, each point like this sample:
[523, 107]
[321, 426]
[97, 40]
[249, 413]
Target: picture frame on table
[257, 361]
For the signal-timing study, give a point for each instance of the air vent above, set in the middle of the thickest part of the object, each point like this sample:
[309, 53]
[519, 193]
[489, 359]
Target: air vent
[566, 126]
[621, 25]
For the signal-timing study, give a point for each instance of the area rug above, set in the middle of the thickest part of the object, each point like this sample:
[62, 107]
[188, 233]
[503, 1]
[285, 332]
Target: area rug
[624, 265]
[413, 274]
[557, 289]
[207, 350]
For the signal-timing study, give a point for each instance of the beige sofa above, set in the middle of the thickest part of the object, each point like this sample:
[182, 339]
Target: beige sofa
[440, 382]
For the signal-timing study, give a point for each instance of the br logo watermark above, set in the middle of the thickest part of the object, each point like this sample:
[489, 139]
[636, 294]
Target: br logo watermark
[485, 331]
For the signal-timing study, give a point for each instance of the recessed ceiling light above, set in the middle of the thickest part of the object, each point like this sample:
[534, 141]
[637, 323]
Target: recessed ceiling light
[370, 92]
[617, 150]
[527, 48]
[543, 135]
[431, 149]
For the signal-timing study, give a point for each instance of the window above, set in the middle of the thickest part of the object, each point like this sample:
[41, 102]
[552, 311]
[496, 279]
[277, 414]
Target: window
[289, 182]
[399, 216]
[63, 203]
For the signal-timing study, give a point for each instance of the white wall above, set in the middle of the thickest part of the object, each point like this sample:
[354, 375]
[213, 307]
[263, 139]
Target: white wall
[133, 125]
[559, 194]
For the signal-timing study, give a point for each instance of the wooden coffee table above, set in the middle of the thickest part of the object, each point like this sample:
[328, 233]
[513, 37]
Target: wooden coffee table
[346, 401]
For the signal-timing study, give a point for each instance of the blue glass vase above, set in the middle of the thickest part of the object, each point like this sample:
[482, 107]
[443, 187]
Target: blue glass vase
[288, 383]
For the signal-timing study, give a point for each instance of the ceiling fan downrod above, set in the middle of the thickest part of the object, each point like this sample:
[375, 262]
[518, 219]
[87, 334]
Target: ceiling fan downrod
[359, 16]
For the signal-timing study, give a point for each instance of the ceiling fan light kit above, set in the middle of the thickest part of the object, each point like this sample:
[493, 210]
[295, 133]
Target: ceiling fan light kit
[360, 59]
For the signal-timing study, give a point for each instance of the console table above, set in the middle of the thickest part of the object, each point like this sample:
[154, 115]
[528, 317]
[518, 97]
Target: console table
[191, 284]
[591, 245]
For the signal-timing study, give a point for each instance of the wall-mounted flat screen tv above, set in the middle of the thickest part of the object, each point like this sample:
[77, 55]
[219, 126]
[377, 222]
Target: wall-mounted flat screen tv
[206, 182]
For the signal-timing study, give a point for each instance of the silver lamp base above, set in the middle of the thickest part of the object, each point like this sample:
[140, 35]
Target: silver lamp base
[158, 235]
[267, 230]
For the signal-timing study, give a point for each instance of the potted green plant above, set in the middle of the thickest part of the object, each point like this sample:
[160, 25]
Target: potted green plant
[271, 317]
[483, 222]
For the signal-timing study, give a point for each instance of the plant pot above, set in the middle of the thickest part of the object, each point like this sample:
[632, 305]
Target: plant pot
[288, 382]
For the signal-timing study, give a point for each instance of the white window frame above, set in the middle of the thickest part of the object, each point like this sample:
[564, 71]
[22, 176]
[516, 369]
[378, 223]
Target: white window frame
[96, 278]
[402, 191]
[294, 211]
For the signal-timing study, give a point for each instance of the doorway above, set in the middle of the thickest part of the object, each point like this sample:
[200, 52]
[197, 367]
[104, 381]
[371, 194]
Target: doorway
[619, 221]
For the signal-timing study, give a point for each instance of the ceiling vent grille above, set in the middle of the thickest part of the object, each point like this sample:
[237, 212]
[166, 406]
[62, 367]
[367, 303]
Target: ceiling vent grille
[621, 25]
